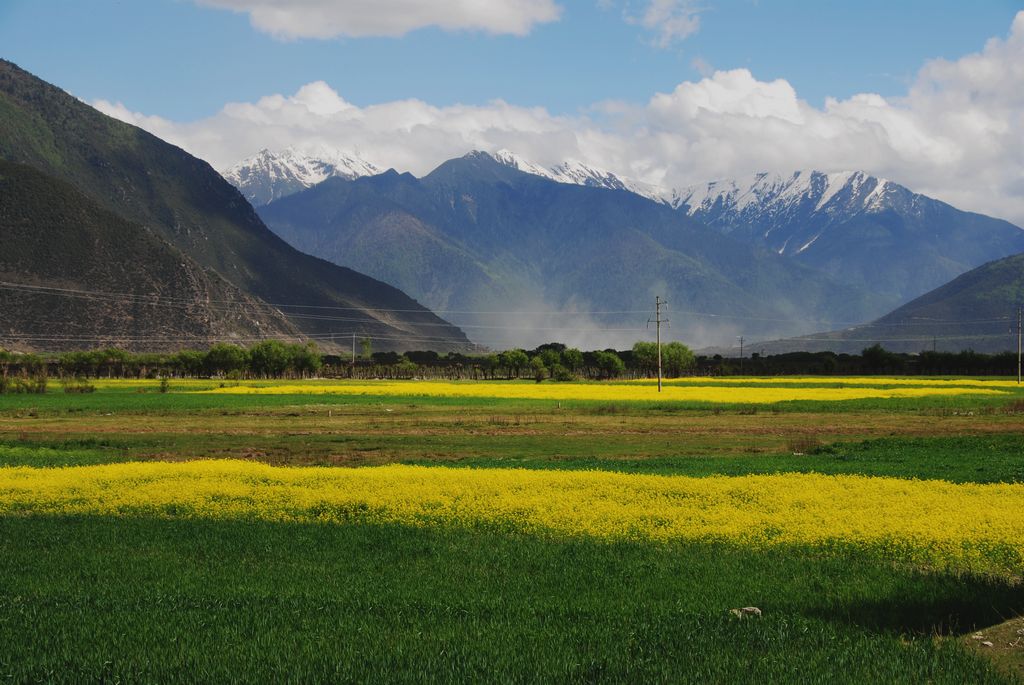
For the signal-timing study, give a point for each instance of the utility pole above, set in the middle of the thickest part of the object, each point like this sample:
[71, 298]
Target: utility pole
[353, 350]
[1018, 342]
[657, 324]
[741, 354]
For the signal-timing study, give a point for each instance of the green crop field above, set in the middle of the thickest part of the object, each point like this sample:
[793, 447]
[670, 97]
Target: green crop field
[449, 568]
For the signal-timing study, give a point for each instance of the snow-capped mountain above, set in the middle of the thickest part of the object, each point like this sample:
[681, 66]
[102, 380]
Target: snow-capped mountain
[578, 173]
[268, 176]
[480, 235]
[790, 213]
[731, 204]
[860, 228]
[865, 230]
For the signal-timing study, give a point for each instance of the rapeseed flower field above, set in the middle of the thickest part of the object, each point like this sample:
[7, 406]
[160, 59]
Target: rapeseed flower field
[838, 381]
[609, 392]
[959, 527]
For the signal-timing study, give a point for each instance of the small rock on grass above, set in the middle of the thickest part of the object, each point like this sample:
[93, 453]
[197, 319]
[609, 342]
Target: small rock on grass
[745, 612]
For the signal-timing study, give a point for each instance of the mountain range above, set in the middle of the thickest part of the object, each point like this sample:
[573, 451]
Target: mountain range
[477, 235]
[113, 236]
[860, 229]
[145, 185]
[872, 239]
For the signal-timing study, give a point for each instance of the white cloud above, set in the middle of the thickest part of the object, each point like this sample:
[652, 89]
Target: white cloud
[954, 135]
[670, 20]
[702, 66]
[291, 19]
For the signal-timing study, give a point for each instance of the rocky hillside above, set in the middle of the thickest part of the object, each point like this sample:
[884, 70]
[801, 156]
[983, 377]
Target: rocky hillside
[181, 199]
[99, 280]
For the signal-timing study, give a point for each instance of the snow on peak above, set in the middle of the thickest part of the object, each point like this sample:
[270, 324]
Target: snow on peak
[269, 175]
[843, 190]
[509, 158]
[789, 212]
[576, 172]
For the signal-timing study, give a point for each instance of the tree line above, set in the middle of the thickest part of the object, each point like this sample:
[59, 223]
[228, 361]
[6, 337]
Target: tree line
[275, 359]
[874, 360]
[267, 359]
[549, 362]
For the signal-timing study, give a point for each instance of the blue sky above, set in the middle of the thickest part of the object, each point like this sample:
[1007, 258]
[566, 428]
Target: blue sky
[175, 59]
[927, 93]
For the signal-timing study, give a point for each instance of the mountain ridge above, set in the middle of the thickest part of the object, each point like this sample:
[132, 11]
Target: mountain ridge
[180, 198]
[499, 235]
[976, 311]
[867, 231]
[67, 290]
[861, 229]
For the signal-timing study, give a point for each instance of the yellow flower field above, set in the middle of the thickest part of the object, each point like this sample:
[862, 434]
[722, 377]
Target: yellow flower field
[878, 381]
[612, 392]
[961, 527]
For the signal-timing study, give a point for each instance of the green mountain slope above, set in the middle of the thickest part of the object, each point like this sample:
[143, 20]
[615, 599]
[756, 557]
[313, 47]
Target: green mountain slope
[976, 310]
[182, 199]
[154, 297]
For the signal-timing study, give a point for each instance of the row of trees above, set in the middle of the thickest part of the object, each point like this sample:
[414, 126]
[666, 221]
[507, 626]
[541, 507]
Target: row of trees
[874, 360]
[267, 359]
[274, 359]
[554, 361]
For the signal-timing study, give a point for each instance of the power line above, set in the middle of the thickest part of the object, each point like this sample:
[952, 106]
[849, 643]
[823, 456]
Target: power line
[317, 317]
[880, 340]
[224, 305]
[5, 285]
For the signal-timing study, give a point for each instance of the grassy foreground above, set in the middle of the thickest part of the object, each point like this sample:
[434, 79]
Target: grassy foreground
[186, 601]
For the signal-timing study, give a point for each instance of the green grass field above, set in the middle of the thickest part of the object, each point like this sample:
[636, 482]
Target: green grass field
[158, 599]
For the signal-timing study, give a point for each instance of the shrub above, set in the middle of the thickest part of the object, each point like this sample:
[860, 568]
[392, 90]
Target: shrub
[24, 385]
[562, 374]
[538, 369]
[803, 444]
[1015, 407]
[77, 386]
[609, 365]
